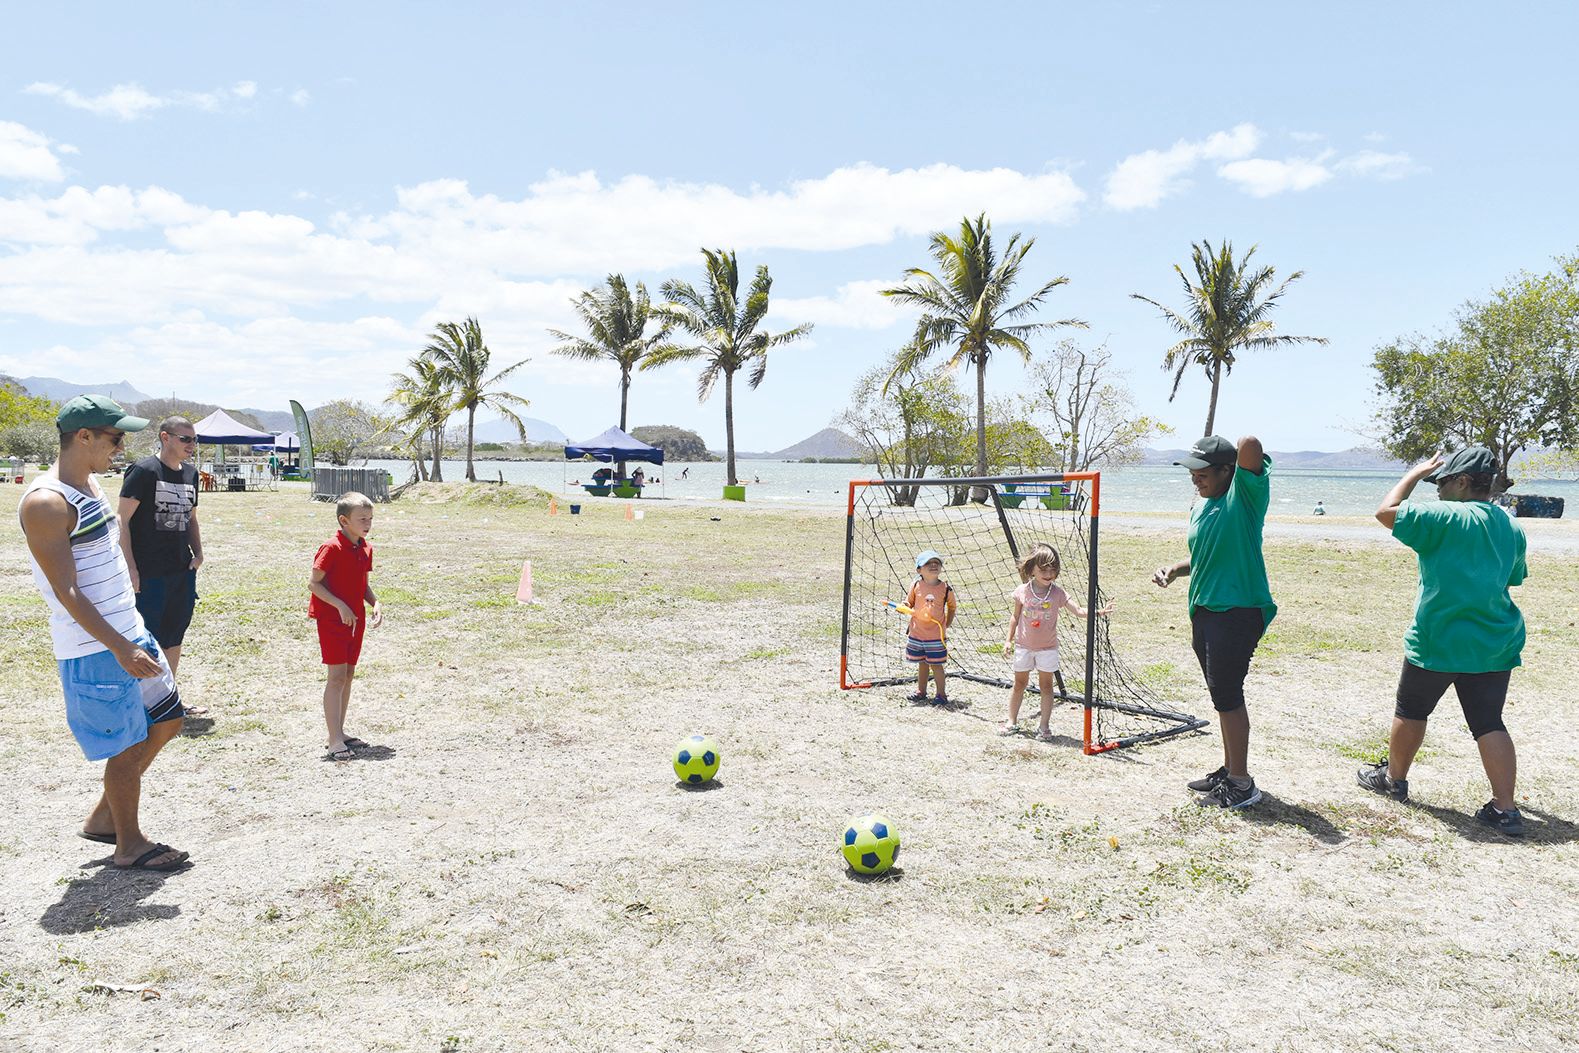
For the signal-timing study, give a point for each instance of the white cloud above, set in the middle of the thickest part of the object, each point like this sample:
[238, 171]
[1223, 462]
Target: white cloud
[130, 101]
[1263, 177]
[857, 305]
[1142, 180]
[301, 97]
[26, 154]
[190, 286]
[1376, 165]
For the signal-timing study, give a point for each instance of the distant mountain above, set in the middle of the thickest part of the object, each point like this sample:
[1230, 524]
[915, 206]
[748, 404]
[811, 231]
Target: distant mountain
[61, 390]
[1358, 458]
[274, 420]
[830, 442]
[503, 431]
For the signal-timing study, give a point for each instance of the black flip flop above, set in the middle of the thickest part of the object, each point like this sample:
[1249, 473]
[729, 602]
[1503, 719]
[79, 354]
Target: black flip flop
[356, 744]
[180, 862]
[103, 839]
[916, 697]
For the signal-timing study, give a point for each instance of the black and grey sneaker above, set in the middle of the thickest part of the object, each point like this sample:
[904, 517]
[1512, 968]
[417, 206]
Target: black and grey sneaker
[1509, 822]
[1226, 795]
[1208, 783]
[1374, 778]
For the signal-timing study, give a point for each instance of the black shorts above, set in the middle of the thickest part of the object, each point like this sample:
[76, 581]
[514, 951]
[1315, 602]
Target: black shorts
[166, 606]
[1224, 642]
[1480, 695]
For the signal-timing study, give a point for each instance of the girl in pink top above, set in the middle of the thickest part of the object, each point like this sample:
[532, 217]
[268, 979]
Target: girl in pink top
[1033, 633]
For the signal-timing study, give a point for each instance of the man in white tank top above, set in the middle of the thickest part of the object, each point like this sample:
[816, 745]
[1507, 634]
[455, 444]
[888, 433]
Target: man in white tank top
[121, 700]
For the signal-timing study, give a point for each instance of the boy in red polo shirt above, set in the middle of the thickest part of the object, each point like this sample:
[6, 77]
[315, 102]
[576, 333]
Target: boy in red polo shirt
[339, 591]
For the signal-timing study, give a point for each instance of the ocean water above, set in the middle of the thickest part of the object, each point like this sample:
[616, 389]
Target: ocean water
[1143, 488]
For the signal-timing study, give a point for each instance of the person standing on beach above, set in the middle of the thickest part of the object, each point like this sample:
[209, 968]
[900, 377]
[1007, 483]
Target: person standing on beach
[162, 543]
[343, 604]
[1467, 631]
[1230, 598]
[121, 700]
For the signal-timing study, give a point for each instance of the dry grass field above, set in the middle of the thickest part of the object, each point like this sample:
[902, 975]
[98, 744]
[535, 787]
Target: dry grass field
[514, 867]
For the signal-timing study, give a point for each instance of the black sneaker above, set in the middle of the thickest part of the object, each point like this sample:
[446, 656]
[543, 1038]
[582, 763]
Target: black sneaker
[1208, 783]
[1226, 795]
[1509, 822]
[1374, 778]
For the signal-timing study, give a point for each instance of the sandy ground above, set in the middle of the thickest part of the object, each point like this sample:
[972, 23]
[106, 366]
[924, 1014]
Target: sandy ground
[513, 865]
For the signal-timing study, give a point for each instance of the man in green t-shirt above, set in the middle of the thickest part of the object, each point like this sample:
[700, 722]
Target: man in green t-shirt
[1230, 600]
[1466, 632]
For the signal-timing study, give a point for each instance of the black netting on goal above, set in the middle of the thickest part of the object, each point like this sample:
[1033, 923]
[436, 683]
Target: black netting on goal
[982, 527]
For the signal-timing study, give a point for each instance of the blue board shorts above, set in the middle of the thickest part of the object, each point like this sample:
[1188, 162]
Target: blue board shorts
[109, 710]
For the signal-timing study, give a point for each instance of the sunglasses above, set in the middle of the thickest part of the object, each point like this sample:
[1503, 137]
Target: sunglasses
[188, 439]
[117, 438]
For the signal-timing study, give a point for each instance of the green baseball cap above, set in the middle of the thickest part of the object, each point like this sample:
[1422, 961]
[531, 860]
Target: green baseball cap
[1472, 459]
[1212, 449]
[97, 411]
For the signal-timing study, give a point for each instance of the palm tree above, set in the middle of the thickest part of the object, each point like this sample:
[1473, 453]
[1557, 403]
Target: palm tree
[425, 402]
[462, 359]
[616, 324]
[1227, 312]
[965, 307]
[725, 330]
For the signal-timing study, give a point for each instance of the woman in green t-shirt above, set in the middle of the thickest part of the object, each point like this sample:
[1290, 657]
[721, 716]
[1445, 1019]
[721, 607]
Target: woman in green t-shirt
[1467, 633]
[1230, 600]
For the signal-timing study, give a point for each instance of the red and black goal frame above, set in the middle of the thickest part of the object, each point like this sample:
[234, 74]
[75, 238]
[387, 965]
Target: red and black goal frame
[1177, 722]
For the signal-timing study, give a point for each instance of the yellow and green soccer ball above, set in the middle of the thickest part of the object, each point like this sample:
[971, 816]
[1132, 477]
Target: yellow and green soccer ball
[695, 760]
[870, 844]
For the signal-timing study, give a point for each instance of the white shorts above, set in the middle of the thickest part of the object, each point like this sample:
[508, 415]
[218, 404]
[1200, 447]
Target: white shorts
[1043, 661]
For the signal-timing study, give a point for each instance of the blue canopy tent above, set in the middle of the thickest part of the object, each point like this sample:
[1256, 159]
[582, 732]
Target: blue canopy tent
[612, 445]
[219, 429]
[284, 443]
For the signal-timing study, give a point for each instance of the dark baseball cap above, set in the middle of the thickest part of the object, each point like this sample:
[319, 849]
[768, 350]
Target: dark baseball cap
[1471, 459]
[1213, 449]
[97, 411]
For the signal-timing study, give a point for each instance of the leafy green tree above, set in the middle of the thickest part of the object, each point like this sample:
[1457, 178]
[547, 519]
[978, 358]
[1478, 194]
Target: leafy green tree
[1091, 413]
[1228, 310]
[622, 328]
[1505, 376]
[343, 427]
[911, 425]
[967, 307]
[35, 441]
[463, 359]
[425, 402]
[725, 333]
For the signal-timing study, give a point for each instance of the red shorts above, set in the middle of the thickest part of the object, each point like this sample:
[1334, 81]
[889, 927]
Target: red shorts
[341, 644]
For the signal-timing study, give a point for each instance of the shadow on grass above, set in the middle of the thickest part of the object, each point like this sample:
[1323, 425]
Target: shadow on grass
[1272, 810]
[108, 899]
[196, 727]
[893, 874]
[1539, 827]
[373, 753]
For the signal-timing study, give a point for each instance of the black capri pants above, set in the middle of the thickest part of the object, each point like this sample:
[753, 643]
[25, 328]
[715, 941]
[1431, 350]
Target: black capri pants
[1480, 695]
[1224, 642]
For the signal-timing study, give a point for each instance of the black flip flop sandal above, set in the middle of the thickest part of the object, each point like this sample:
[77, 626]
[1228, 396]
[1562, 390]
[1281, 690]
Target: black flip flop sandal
[180, 862]
[103, 839]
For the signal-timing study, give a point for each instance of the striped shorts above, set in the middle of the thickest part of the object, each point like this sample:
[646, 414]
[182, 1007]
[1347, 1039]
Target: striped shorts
[930, 651]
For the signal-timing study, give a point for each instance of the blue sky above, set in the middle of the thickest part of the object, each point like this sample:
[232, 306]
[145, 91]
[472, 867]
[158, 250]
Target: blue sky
[250, 203]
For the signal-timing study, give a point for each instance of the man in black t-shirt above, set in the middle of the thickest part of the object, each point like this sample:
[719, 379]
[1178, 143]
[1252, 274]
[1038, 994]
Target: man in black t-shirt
[161, 539]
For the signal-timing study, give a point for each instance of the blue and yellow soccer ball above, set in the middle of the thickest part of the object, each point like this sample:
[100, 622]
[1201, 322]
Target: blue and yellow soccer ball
[870, 844]
[696, 760]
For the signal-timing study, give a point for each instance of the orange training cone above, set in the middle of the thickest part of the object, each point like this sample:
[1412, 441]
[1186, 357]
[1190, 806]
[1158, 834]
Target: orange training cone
[553, 506]
[630, 513]
[523, 592]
